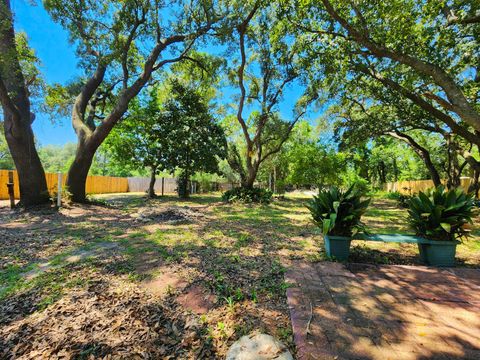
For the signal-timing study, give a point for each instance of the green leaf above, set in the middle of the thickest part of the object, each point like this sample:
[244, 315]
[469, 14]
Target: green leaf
[446, 226]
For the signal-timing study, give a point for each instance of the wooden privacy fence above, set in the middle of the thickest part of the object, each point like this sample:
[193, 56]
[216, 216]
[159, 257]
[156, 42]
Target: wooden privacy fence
[102, 184]
[414, 186]
[95, 184]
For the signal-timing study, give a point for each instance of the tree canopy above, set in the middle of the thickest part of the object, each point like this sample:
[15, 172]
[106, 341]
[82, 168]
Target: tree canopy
[241, 87]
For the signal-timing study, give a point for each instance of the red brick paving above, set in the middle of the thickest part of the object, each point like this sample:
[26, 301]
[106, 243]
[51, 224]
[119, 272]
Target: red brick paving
[358, 311]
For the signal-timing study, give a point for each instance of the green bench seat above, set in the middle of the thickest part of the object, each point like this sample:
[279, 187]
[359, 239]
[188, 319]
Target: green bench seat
[432, 252]
[394, 238]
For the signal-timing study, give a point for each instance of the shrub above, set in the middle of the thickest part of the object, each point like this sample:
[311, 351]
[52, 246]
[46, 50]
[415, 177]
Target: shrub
[339, 213]
[362, 186]
[401, 199]
[440, 214]
[253, 195]
[393, 195]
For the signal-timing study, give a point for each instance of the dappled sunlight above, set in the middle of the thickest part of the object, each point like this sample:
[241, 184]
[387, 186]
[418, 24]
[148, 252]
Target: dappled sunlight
[232, 251]
[233, 254]
[381, 312]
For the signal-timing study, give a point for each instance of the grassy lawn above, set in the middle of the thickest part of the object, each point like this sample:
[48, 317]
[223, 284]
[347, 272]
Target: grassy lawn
[93, 280]
[385, 217]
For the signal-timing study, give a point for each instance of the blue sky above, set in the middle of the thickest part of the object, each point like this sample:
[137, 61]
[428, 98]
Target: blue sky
[59, 65]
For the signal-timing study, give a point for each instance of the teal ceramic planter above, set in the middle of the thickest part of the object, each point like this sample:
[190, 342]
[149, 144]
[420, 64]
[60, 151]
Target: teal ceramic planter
[438, 253]
[337, 247]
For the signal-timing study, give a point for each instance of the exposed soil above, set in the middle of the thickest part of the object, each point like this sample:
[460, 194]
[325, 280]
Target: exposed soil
[159, 279]
[92, 281]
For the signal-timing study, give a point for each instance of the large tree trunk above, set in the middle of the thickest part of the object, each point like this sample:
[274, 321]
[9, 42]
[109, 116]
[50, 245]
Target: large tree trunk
[251, 174]
[250, 179]
[78, 172]
[475, 166]
[454, 169]
[422, 152]
[15, 102]
[32, 182]
[475, 185]
[183, 185]
[151, 185]
[395, 170]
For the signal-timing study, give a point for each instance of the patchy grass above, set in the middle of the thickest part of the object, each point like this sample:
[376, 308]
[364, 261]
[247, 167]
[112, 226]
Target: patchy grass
[235, 254]
[385, 217]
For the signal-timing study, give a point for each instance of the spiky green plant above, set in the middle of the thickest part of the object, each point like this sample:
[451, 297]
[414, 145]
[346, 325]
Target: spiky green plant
[440, 214]
[337, 212]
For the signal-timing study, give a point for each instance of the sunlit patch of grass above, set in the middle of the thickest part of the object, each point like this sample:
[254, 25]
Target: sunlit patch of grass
[138, 234]
[11, 279]
[51, 283]
[117, 232]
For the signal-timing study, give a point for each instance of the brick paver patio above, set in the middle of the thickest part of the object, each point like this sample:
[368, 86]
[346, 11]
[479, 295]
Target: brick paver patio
[358, 311]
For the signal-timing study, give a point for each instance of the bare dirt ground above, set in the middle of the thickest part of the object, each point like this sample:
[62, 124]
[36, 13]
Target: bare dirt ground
[147, 279]
[161, 279]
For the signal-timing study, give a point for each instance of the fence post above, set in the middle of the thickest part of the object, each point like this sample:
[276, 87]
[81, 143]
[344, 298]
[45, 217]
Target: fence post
[163, 185]
[59, 190]
[11, 191]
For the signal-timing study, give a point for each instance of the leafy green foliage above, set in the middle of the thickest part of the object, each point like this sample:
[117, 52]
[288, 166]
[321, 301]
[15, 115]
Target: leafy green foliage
[314, 164]
[57, 158]
[337, 212]
[402, 199]
[178, 132]
[362, 186]
[253, 195]
[6, 161]
[440, 214]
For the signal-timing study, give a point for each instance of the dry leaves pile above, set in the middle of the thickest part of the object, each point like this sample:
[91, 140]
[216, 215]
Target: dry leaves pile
[96, 309]
[106, 319]
[172, 215]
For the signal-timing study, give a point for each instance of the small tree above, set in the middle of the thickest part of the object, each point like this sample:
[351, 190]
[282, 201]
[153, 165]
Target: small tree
[139, 142]
[122, 44]
[196, 141]
[179, 133]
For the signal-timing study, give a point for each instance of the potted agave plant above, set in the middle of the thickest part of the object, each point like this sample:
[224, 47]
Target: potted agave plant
[441, 218]
[338, 215]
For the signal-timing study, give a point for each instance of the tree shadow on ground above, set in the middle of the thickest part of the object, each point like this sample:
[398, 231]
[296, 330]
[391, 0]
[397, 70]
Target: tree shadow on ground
[236, 262]
[235, 253]
[375, 312]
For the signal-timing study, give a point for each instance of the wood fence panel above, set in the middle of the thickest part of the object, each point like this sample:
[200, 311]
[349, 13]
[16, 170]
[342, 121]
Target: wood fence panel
[414, 186]
[101, 184]
[4, 182]
[106, 184]
[140, 184]
[95, 184]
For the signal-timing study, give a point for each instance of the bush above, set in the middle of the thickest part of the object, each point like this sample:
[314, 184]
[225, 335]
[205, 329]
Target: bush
[393, 195]
[439, 214]
[339, 213]
[401, 199]
[254, 195]
[362, 186]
